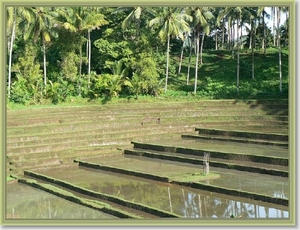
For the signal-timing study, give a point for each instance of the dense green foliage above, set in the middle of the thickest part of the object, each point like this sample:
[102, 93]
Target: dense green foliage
[62, 54]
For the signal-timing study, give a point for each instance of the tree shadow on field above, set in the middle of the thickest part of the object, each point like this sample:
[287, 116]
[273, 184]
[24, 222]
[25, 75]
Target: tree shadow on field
[270, 106]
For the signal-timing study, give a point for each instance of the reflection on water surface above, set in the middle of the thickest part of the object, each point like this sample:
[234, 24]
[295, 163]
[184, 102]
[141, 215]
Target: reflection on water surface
[24, 202]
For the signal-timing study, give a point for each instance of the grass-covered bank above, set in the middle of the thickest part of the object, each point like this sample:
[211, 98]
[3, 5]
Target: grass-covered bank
[217, 76]
[217, 79]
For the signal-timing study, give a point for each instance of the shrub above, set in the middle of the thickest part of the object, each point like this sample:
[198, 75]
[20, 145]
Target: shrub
[19, 91]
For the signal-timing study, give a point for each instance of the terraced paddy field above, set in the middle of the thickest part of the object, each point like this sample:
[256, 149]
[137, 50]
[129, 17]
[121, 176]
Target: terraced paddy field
[145, 161]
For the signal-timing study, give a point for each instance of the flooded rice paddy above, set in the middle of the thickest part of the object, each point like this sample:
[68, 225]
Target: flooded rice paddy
[26, 202]
[183, 201]
[239, 180]
[29, 203]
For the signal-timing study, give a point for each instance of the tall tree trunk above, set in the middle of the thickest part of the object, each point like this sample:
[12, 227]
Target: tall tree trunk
[12, 39]
[232, 44]
[279, 48]
[87, 52]
[229, 35]
[181, 55]
[250, 42]
[197, 60]
[195, 45]
[252, 46]
[264, 35]
[241, 45]
[273, 19]
[286, 18]
[45, 66]
[80, 69]
[89, 58]
[216, 42]
[201, 49]
[167, 68]
[223, 35]
[189, 66]
[180, 62]
[238, 59]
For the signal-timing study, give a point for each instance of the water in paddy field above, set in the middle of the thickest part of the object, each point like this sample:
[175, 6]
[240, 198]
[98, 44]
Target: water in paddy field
[26, 202]
[183, 201]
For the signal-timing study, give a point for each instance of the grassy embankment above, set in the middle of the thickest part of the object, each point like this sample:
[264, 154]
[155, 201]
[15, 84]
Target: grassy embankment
[217, 79]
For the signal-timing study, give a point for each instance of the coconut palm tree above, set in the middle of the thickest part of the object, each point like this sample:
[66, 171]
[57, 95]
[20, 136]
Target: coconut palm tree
[284, 32]
[253, 35]
[262, 11]
[236, 13]
[227, 18]
[170, 21]
[12, 13]
[273, 15]
[40, 27]
[11, 25]
[134, 18]
[186, 43]
[201, 16]
[80, 20]
[278, 12]
[190, 58]
[93, 21]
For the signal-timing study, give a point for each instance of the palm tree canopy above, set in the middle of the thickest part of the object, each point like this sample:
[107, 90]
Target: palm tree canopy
[171, 22]
[79, 19]
[9, 16]
[201, 17]
[134, 15]
[37, 23]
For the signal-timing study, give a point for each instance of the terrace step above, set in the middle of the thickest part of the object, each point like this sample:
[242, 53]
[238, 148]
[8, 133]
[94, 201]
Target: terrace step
[49, 156]
[252, 135]
[274, 106]
[76, 142]
[94, 135]
[139, 115]
[143, 110]
[239, 136]
[26, 132]
[252, 128]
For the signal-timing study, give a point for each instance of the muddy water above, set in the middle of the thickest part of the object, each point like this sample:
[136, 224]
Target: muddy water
[25, 202]
[273, 186]
[240, 180]
[186, 202]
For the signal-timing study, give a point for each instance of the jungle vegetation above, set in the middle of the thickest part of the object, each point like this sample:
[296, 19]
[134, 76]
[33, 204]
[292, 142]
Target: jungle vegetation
[64, 54]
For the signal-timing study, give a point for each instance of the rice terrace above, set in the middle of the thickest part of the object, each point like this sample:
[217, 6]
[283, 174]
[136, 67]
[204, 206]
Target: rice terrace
[102, 124]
